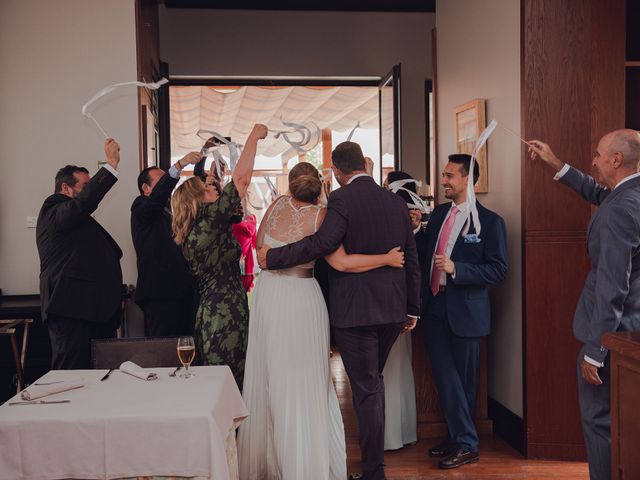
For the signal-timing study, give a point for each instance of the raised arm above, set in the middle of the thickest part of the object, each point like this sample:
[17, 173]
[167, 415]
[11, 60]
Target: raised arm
[583, 185]
[71, 213]
[244, 169]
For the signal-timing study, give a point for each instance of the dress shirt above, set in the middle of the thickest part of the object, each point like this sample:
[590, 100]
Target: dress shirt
[458, 225]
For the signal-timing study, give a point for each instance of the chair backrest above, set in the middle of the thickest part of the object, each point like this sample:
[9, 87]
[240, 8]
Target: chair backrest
[148, 352]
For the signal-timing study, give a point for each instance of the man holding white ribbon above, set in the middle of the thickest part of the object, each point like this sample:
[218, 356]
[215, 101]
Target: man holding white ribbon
[610, 299]
[80, 276]
[462, 260]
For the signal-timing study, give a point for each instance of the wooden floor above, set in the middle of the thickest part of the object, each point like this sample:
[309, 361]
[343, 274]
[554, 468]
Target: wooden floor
[497, 459]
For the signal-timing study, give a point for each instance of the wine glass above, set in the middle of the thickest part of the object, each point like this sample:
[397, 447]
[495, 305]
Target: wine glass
[186, 353]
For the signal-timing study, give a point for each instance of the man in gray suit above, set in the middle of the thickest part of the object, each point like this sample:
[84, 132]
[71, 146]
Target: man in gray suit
[610, 299]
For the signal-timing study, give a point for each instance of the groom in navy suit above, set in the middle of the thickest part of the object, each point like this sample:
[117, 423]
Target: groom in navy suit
[460, 265]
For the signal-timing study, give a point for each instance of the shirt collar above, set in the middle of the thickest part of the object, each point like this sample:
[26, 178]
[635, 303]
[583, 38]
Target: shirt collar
[462, 208]
[626, 179]
[356, 176]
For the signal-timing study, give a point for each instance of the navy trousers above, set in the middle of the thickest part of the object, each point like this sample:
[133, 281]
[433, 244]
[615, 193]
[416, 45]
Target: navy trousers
[455, 362]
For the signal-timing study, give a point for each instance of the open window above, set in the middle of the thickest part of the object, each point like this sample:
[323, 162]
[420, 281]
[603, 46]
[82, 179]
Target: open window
[390, 122]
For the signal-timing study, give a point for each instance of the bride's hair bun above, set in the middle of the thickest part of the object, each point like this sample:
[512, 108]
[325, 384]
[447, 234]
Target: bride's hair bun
[304, 183]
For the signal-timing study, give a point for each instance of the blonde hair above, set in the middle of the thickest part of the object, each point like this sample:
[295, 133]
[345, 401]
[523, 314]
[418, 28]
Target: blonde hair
[184, 205]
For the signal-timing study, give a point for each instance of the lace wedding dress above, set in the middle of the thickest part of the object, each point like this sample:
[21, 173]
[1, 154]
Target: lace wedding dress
[294, 430]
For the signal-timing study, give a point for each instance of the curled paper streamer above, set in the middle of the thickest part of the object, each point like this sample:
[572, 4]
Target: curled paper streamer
[471, 194]
[234, 151]
[309, 139]
[353, 131]
[110, 88]
[418, 203]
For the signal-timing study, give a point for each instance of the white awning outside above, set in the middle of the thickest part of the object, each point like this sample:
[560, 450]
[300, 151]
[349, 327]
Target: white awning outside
[232, 112]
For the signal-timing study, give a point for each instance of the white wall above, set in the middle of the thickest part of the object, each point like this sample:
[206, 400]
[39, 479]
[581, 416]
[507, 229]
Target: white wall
[479, 57]
[316, 44]
[54, 57]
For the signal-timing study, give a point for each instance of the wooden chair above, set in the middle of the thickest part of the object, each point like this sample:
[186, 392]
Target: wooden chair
[147, 352]
[8, 329]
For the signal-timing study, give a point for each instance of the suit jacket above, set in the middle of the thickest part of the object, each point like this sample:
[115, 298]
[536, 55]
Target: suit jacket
[366, 219]
[162, 269]
[610, 299]
[80, 274]
[478, 265]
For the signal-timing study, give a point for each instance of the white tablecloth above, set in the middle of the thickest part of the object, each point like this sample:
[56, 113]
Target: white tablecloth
[124, 427]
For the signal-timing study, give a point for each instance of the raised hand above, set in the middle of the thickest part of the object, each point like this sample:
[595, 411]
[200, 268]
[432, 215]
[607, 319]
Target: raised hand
[190, 158]
[259, 131]
[542, 150]
[112, 152]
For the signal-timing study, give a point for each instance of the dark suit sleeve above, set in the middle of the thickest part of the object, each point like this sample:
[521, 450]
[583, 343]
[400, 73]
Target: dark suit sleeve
[157, 200]
[585, 186]
[493, 268]
[620, 240]
[70, 213]
[412, 272]
[326, 240]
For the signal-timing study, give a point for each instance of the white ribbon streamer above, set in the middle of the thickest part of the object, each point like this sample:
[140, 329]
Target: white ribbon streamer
[353, 131]
[308, 138]
[110, 88]
[418, 203]
[471, 193]
[234, 151]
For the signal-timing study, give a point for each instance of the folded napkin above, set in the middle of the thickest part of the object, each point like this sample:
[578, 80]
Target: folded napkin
[38, 391]
[137, 371]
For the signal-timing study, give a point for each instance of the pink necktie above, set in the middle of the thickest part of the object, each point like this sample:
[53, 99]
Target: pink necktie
[445, 233]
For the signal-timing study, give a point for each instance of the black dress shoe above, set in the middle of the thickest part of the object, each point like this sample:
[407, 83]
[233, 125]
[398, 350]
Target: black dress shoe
[443, 449]
[356, 476]
[458, 458]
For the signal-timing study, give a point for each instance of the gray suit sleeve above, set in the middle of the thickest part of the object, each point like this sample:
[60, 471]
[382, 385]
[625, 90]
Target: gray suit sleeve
[585, 186]
[619, 240]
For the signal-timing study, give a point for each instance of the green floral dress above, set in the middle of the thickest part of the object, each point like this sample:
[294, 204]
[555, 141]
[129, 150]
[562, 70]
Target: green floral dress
[213, 255]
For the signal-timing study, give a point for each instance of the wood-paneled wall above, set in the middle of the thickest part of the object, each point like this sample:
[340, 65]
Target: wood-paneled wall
[572, 94]
[148, 60]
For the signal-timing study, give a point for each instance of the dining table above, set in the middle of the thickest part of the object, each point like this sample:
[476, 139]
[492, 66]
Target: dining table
[124, 427]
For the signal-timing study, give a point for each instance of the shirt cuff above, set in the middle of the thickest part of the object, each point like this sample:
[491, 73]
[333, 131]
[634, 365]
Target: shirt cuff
[413, 316]
[561, 172]
[174, 172]
[593, 362]
[109, 168]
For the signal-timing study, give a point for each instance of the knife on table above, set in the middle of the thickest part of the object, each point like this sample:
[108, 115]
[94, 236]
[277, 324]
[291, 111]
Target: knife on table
[107, 374]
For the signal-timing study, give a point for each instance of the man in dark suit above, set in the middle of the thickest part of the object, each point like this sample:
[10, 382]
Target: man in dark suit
[610, 299]
[80, 276]
[367, 310]
[460, 264]
[164, 289]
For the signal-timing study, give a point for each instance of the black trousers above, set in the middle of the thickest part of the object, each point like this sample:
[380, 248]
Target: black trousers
[364, 351]
[169, 318]
[71, 340]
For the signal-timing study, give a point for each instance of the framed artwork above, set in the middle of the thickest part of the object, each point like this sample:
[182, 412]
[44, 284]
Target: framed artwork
[469, 123]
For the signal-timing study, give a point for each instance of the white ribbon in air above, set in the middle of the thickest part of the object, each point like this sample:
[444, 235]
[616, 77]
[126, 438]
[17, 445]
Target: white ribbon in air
[308, 138]
[108, 89]
[471, 193]
[353, 131]
[418, 203]
[234, 151]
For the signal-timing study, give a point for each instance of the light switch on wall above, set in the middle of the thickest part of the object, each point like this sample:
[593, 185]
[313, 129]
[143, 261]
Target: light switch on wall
[31, 222]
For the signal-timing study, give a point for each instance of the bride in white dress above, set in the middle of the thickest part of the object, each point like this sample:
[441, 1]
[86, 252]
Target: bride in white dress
[294, 430]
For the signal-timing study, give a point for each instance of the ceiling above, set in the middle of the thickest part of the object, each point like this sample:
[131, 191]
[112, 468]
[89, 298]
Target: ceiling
[310, 5]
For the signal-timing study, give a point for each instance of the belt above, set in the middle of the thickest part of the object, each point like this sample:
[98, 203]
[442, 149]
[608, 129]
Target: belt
[297, 272]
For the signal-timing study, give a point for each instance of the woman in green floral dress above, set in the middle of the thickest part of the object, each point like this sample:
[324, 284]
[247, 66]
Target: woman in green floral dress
[202, 225]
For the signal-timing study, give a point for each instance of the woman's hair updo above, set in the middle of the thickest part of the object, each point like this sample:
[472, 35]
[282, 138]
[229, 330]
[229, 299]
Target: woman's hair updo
[304, 183]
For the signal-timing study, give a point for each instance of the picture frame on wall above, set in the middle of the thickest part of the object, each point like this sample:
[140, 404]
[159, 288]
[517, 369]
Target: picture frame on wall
[470, 121]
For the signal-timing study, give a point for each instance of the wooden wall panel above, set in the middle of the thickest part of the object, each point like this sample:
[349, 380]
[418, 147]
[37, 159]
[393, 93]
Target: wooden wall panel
[572, 87]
